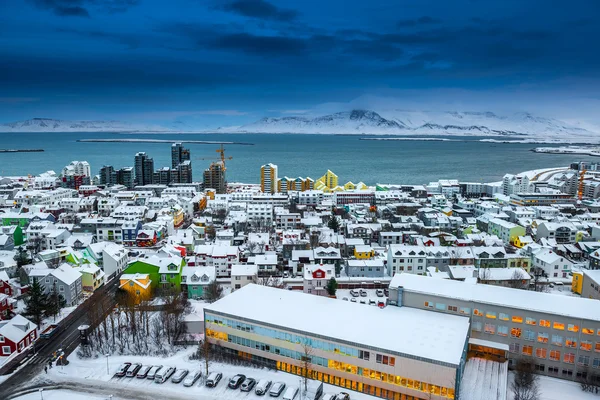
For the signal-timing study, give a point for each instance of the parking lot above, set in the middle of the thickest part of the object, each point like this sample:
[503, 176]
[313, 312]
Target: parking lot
[89, 370]
[370, 298]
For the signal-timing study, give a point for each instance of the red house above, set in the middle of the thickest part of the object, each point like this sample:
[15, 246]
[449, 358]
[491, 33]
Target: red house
[6, 306]
[146, 238]
[5, 287]
[16, 335]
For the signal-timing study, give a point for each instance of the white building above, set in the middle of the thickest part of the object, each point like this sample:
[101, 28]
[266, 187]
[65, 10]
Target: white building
[241, 275]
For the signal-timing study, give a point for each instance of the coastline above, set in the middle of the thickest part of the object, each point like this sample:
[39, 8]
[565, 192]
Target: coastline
[160, 141]
[21, 150]
[594, 152]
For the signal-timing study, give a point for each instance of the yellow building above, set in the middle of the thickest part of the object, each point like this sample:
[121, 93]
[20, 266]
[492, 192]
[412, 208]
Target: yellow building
[329, 180]
[178, 216]
[268, 178]
[211, 194]
[364, 252]
[139, 286]
[349, 186]
[577, 283]
[202, 203]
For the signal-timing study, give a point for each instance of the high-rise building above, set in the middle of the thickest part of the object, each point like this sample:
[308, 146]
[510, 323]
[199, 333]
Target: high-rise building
[179, 154]
[268, 178]
[184, 172]
[214, 178]
[162, 176]
[125, 177]
[144, 169]
[77, 168]
[108, 175]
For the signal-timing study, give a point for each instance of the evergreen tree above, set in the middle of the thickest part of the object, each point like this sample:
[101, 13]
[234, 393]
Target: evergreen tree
[36, 303]
[21, 258]
[56, 302]
[334, 223]
[332, 286]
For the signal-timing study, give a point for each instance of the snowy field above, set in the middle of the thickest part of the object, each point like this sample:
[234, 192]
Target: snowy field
[556, 389]
[93, 374]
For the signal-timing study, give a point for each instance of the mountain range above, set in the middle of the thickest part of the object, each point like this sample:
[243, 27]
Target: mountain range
[390, 122]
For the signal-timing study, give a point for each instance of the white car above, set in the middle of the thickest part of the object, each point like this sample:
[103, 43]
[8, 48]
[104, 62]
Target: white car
[290, 393]
[164, 375]
[329, 396]
[192, 378]
[379, 293]
[262, 387]
[179, 375]
[354, 293]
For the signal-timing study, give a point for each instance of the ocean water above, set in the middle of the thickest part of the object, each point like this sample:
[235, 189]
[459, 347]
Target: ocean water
[369, 161]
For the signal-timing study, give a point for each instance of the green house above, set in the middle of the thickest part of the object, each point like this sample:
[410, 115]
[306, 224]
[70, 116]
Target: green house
[165, 271]
[16, 232]
[195, 279]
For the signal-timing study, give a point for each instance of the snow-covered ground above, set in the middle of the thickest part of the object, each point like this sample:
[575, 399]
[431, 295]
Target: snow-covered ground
[484, 380]
[93, 372]
[63, 395]
[556, 389]
[589, 151]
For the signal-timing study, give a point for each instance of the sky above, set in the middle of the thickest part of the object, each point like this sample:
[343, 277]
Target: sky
[208, 63]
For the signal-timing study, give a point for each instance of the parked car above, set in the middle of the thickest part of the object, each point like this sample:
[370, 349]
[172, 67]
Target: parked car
[329, 396]
[236, 381]
[262, 387]
[179, 375]
[345, 298]
[192, 378]
[123, 369]
[343, 396]
[363, 293]
[290, 393]
[380, 304]
[248, 384]
[164, 375]
[133, 370]
[353, 300]
[379, 293]
[213, 379]
[276, 389]
[143, 372]
[386, 292]
[372, 302]
[153, 371]
[363, 301]
[353, 293]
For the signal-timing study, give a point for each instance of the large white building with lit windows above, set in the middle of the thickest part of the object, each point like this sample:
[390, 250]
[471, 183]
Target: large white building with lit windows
[395, 353]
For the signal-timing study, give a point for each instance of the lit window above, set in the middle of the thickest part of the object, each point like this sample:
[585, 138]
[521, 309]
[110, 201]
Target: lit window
[429, 304]
[597, 347]
[554, 355]
[559, 325]
[464, 310]
[530, 321]
[569, 358]
[540, 352]
[478, 313]
[490, 328]
[585, 345]
[571, 342]
[542, 337]
[573, 328]
[527, 350]
[545, 323]
[587, 331]
[517, 320]
[490, 314]
[503, 317]
[515, 332]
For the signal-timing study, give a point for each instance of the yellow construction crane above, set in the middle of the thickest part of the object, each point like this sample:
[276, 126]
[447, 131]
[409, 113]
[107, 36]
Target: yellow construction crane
[222, 158]
[581, 184]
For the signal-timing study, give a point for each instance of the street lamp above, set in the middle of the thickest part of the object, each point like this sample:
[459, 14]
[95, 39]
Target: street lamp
[107, 372]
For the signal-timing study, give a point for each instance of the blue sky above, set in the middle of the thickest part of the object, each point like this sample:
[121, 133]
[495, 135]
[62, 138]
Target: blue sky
[204, 63]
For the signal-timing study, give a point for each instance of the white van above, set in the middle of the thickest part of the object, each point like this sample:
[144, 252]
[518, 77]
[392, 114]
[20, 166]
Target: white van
[290, 393]
[262, 387]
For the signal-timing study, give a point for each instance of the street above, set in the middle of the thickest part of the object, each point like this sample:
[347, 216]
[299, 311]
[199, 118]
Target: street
[67, 340]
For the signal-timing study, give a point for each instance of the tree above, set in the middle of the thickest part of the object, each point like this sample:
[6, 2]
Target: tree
[213, 292]
[525, 384]
[484, 275]
[331, 286]
[306, 363]
[21, 257]
[56, 302]
[204, 352]
[36, 303]
[516, 279]
[334, 223]
[210, 232]
[270, 281]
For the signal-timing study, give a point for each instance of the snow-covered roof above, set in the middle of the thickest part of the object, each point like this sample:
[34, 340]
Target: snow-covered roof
[334, 319]
[66, 274]
[16, 328]
[244, 270]
[137, 279]
[553, 304]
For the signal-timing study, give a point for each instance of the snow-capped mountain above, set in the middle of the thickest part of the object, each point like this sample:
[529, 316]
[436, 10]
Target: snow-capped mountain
[402, 122]
[57, 125]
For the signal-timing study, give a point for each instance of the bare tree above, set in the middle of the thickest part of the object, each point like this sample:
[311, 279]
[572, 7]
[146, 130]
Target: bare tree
[316, 238]
[213, 292]
[270, 281]
[484, 275]
[251, 248]
[525, 385]
[306, 363]
[516, 279]
[204, 352]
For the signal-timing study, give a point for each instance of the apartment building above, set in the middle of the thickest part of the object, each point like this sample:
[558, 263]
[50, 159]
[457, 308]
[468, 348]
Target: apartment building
[507, 231]
[378, 356]
[268, 178]
[561, 334]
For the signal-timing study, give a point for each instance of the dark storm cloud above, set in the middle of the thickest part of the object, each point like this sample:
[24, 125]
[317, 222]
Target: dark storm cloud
[80, 8]
[260, 9]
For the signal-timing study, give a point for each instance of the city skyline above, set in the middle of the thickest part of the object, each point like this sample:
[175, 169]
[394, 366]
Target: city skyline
[201, 65]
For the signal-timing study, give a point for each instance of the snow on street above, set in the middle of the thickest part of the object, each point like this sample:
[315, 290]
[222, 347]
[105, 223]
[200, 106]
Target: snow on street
[93, 373]
[62, 395]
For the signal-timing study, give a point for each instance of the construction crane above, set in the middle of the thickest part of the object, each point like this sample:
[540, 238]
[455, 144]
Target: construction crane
[222, 158]
[581, 184]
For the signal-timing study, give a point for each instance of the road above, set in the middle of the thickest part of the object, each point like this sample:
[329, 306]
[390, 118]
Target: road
[67, 340]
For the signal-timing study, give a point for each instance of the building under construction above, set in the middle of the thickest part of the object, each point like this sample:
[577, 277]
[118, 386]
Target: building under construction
[214, 176]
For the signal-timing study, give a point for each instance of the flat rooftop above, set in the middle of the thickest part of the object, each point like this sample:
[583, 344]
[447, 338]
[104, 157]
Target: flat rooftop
[405, 331]
[553, 304]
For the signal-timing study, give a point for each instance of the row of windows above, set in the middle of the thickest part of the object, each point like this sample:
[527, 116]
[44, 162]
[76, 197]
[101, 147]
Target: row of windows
[532, 321]
[553, 355]
[541, 337]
